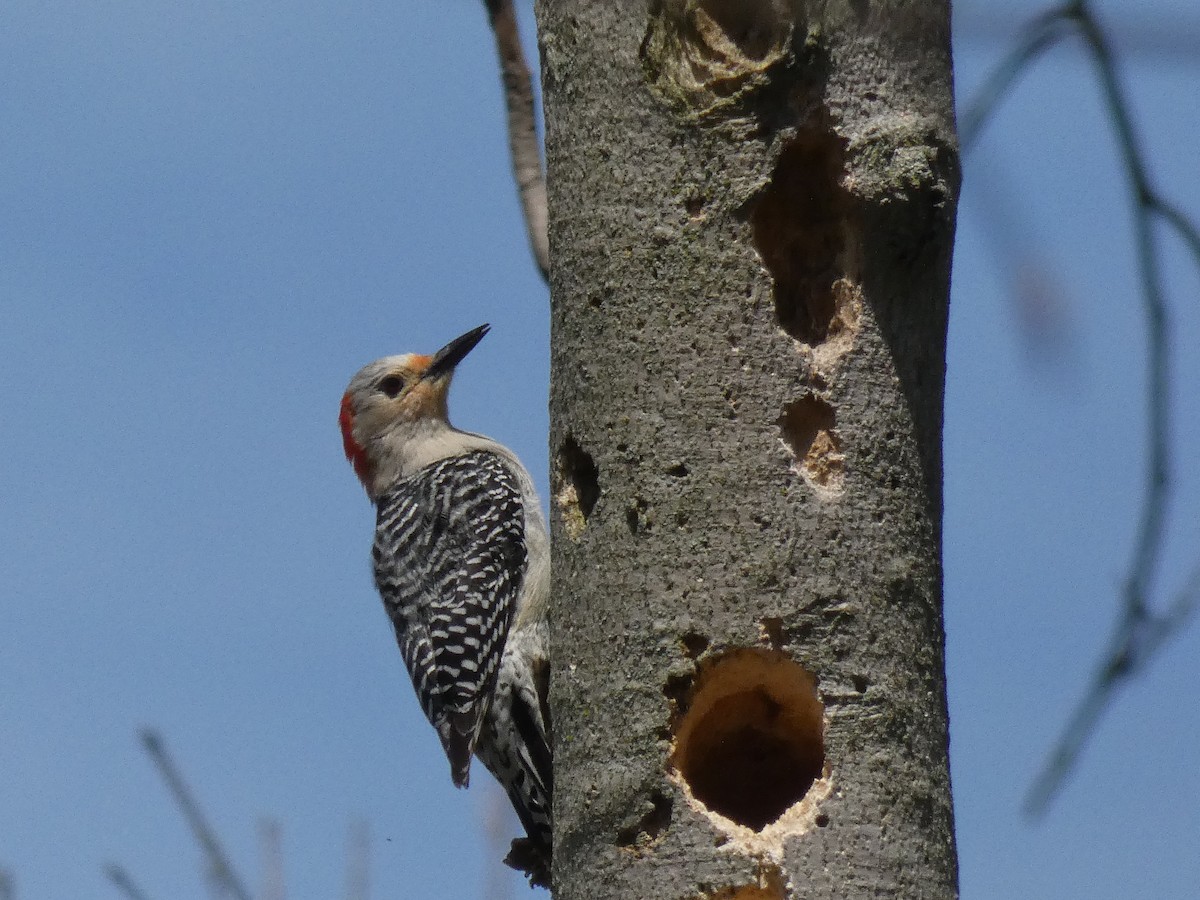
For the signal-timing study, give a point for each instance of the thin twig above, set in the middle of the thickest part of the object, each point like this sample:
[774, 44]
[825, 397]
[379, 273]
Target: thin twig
[358, 862]
[1140, 631]
[270, 842]
[220, 869]
[1142, 33]
[1127, 651]
[1039, 36]
[522, 129]
[497, 837]
[1152, 526]
[1124, 657]
[123, 883]
[1183, 226]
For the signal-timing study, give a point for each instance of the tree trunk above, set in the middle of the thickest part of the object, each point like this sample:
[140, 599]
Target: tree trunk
[751, 219]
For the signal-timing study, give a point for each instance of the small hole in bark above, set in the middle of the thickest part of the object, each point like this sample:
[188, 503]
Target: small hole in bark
[655, 819]
[800, 228]
[635, 516]
[693, 644]
[822, 820]
[807, 428]
[578, 486]
[679, 470]
[751, 742]
[772, 630]
[676, 690]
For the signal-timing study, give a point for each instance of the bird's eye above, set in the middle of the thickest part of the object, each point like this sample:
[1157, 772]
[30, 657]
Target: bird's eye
[392, 385]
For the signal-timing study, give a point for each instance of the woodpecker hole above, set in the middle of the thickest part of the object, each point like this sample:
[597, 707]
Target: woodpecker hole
[642, 835]
[749, 29]
[773, 632]
[771, 886]
[701, 53]
[807, 429]
[749, 892]
[637, 516]
[577, 488]
[750, 743]
[694, 644]
[802, 232]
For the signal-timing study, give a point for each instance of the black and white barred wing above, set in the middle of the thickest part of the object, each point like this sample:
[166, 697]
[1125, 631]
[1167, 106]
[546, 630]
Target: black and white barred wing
[449, 560]
[515, 744]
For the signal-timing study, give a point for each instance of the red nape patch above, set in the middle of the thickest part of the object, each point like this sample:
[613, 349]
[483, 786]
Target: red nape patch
[356, 454]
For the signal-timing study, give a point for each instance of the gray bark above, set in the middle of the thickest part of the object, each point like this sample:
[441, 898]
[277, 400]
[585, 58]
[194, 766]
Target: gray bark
[751, 219]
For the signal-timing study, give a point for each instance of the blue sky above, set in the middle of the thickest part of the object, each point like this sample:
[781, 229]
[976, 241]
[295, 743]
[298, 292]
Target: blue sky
[216, 212]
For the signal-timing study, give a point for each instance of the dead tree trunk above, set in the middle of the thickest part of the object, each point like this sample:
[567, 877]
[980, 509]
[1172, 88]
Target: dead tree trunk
[751, 219]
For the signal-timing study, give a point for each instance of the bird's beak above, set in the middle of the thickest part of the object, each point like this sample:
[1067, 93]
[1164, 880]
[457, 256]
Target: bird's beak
[452, 354]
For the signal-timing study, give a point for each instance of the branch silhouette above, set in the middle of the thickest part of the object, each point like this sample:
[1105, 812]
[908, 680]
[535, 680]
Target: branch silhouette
[522, 129]
[220, 869]
[1140, 630]
[358, 862]
[124, 883]
[270, 840]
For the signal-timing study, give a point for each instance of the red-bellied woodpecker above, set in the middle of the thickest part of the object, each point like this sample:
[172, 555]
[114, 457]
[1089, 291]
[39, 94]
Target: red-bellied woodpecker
[462, 562]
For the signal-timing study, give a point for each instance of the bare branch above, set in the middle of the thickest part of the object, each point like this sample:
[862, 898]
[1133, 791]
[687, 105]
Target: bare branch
[220, 869]
[270, 838]
[123, 883]
[358, 862]
[1140, 631]
[1142, 33]
[522, 128]
[1039, 36]
[1131, 648]
[1184, 227]
[496, 833]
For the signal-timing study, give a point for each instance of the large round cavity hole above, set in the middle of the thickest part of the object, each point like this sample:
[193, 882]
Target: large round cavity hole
[751, 741]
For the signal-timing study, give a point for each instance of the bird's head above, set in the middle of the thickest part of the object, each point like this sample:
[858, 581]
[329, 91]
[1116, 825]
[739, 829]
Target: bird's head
[393, 404]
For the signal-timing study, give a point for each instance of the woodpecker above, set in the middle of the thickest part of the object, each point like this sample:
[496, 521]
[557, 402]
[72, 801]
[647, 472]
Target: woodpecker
[462, 563]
